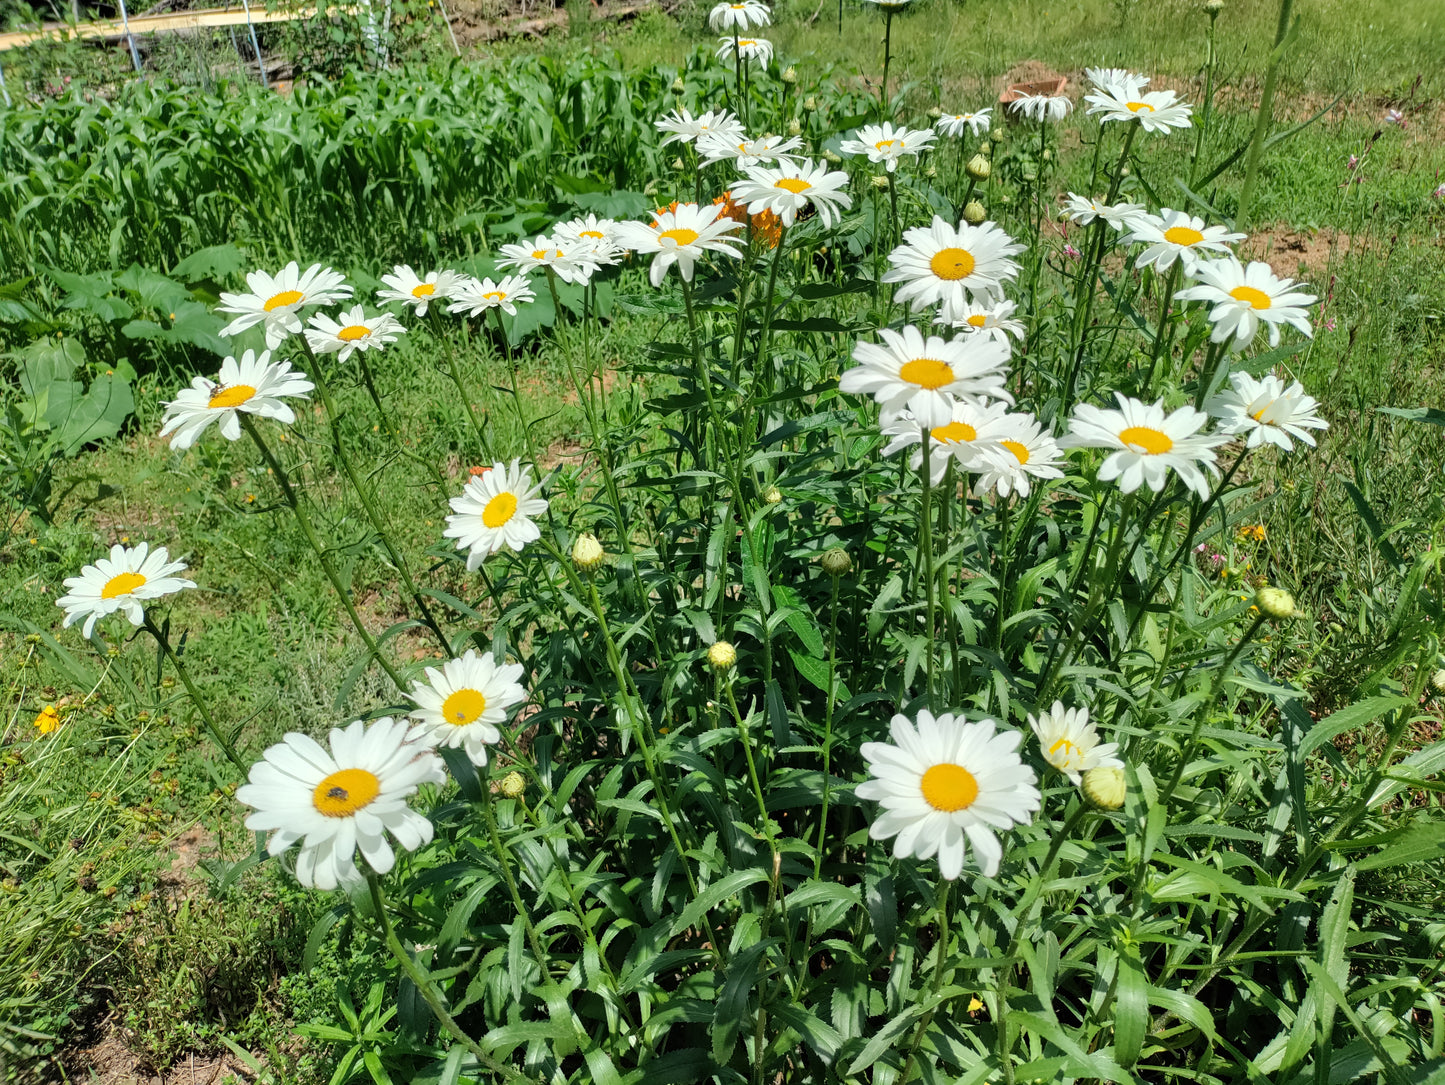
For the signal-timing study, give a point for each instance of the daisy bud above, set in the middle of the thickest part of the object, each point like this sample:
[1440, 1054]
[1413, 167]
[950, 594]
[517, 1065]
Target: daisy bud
[978, 168]
[1214, 7]
[810, 103]
[930, 170]
[774, 496]
[996, 134]
[1437, 681]
[1030, 174]
[587, 552]
[512, 785]
[836, 562]
[1275, 603]
[790, 76]
[832, 156]
[1048, 155]
[935, 112]
[794, 127]
[974, 213]
[1104, 787]
[880, 180]
[722, 655]
[677, 163]
[678, 86]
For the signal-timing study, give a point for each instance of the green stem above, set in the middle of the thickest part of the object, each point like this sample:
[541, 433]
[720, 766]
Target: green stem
[216, 736]
[935, 984]
[925, 546]
[887, 60]
[386, 420]
[828, 728]
[1265, 116]
[1164, 334]
[503, 860]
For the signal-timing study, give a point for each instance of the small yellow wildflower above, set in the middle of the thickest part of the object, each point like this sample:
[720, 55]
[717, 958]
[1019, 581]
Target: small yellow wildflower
[48, 720]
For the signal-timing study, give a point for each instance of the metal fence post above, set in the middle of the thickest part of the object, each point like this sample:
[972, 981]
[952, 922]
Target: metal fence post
[4, 90]
[129, 37]
[256, 45]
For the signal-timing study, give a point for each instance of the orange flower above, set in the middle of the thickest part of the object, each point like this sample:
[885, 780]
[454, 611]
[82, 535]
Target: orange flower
[767, 227]
[657, 215]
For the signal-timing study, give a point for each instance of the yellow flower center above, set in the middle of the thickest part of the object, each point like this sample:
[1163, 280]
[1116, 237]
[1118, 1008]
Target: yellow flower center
[949, 787]
[1183, 235]
[233, 396]
[286, 297]
[539, 254]
[884, 144]
[352, 332]
[499, 509]
[1258, 415]
[598, 234]
[1136, 107]
[1063, 752]
[954, 432]
[464, 706]
[423, 290]
[795, 185]
[343, 793]
[952, 264]
[122, 584]
[927, 373]
[978, 320]
[1257, 298]
[1020, 451]
[1146, 439]
[680, 236]
[495, 295]
[745, 42]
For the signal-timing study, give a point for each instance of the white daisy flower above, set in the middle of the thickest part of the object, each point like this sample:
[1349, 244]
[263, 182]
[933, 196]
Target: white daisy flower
[973, 428]
[1267, 410]
[125, 581]
[1071, 744]
[758, 49]
[277, 301]
[474, 298]
[1244, 298]
[494, 511]
[334, 801]
[1119, 82]
[887, 144]
[462, 703]
[1156, 111]
[890, 3]
[1147, 444]
[681, 125]
[1121, 216]
[409, 288]
[787, 189]
[354, 331]
[594, 236]
[1042, 107]
[925, 377]
[1173, 235]
[739, 16]
[946, 785]
[955, 124]
[1022, 451]
[744, 153]
[253, 386]
[951, 268]
[988, 321]
[571, 265]
[681, 236]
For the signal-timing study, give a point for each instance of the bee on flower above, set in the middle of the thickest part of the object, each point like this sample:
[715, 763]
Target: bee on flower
[254, 385]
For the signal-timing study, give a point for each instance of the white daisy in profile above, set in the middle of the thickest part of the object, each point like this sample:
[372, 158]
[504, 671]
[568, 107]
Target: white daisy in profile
[787, 189]
[973, 428]
[277, 301]
[354, 331]
[1117, 82]
[409, 288]
[1146, 443]
[1267, 410]
[1084, 210]
[594, 236]
[1175, 235]
[759, 50]
[125, 581]
[681, 237]
[744, 153]
[1246, 297]
[739, 16]
[886, 144]
[993, 321]
[335, 801]
[889, 3]
[463, 702]
[1042, 107]
[682, 125]
[1155, 111]
[956, 124]
[495, 511]
[571, 265]
[945, 786]
[474, 297]
[925, 376]
[1070, 742]
[952, 267]
[252, 386]
[1022, 450]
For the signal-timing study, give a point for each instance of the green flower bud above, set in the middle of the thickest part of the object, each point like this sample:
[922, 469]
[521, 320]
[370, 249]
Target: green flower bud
[836, 562]
[512, 785]
[978, 168]
[1104, 787]
[790, 76]
[587, 552]
[678, 86]
[974, 213]
[774, 496]
[722, 655]
[1275, 603]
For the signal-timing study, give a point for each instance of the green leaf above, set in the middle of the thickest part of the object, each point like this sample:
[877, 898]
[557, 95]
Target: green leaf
[744, 974]
[1131, 1009]
[1347, 719]
[1422, 842]
[884, 1039]
[714, 895]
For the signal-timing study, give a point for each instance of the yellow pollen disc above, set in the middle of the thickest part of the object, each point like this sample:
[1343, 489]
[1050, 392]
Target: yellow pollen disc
[233, 396]
[539, 254]
[598, 234]
[495, 295]
[1064, 750]
[743, 146]
[286, 297]
[1258, 415]
[353, 332]
[978, 320]
[795, 185]
[1020, 451]
[884, 144]
[122, 584]
[927, 373]
[499, 509]
[680, 236]
[746, 41]
[343, 793]
[954, 431]
[1136, 107]
[1257, 298]
[1146, 439]
[952, 264]
[1183, 235]
[464, 706]
[423, 290]
[949, 787]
